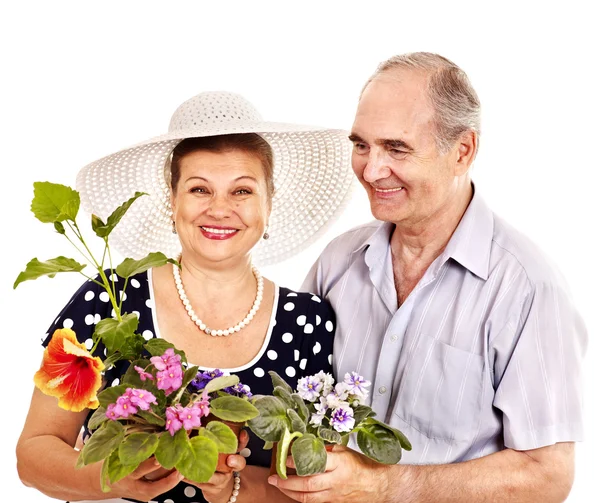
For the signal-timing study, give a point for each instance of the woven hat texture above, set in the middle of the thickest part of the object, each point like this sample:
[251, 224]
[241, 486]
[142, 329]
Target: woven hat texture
[312, 174]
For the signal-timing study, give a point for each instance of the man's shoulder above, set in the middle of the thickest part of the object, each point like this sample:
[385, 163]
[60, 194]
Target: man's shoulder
[513, 246]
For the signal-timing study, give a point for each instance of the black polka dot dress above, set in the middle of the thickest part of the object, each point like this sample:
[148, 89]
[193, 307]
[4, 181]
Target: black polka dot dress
[299, 342]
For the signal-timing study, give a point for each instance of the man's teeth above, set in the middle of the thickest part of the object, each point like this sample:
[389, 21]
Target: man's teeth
[218, 231]
[389, 190]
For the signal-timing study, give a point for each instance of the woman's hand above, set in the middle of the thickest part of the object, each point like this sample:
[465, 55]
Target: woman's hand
[220, 486]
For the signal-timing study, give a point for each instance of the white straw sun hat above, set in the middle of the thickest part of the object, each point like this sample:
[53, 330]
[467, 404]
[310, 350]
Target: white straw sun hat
[312, 174]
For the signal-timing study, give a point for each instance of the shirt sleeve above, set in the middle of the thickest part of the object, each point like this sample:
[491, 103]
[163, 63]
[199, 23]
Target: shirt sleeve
[317, 346]
[538, 371]
[312, 282]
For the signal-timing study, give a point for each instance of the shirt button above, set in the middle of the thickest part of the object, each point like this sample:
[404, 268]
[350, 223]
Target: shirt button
[382, 389]
[394, 338]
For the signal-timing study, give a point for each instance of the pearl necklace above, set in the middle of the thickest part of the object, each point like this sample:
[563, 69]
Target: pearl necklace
[200, 324]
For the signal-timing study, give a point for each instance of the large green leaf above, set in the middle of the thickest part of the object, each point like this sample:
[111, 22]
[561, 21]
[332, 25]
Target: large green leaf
[36, 269]
[137, 447]
[116, 469]
[297, 423]
[283, 448]
[379, 443]
[273, 419]
[224, 437]
[285, 395]
[277, 380]
[104, 477]
[404, 442]
[233, 408]
[53, 202]
[301, 407]
[115, 217]
[330, 436]
[114, 333]
[170, 449]
[309, 455]
[222, 382]
[130, 267]
[362, 412]
[110, 395]
[199, 461]
[102, 442]
[98, 417]
[157, 347]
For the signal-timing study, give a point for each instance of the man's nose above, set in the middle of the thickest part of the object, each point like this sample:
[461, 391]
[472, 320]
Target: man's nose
[376, 167]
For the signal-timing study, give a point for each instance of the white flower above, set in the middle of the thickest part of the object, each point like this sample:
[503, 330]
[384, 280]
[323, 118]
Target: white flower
[309, 388]
[319, 414]
[327, 380]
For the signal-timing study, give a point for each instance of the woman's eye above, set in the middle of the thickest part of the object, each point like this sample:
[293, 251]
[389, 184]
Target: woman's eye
[199, 190]
[243, 191]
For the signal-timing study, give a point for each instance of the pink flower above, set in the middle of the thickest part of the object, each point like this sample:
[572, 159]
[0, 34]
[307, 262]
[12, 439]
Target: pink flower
[190, 417]
[110, 412]
[173, 423]
[170, 379]
[202, 406]
[167, 359]
[124, 408]
[141, 398]
[143, 374]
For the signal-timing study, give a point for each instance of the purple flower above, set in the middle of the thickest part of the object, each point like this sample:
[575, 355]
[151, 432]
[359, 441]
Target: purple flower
[342, 419]
[170, 379]
[239, 389]
[309, 388]
[143, 374]
[173, 423]
[141, 398]
[357, 385]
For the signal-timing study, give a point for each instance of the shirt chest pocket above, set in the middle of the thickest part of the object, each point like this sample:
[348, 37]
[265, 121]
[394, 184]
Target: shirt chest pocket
[441, 391]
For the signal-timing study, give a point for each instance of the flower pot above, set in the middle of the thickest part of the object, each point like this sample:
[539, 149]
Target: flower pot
[236, 428]
[289, 471]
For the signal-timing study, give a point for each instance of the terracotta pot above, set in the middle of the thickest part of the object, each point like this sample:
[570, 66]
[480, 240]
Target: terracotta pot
[289, 471]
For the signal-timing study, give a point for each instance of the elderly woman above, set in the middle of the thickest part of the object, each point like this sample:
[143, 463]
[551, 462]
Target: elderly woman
[221, 181]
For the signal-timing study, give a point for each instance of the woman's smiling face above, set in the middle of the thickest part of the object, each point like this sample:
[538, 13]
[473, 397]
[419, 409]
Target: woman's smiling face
[220, 204]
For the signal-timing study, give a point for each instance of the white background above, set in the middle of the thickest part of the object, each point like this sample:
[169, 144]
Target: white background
[81, 80]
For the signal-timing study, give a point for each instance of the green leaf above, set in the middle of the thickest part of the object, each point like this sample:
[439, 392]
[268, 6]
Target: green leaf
[115, 217]
[286, 397]
[309, 455]
[297, 423]
[36, 269]
[170, 449]
[272, 421]
[188, 376]
[379, 443]
[233, 408]
[97, 225]
[277, 380]
[59, 227]
[222, 382]
[132, 346]
[268, 446]
[98, 417]
[283, 447]
[301, 407]
[404, 442]
[114, 333]
[151, 418]
[199, 461]
[130, 267]
[102, 442]
[362, 412]
[224, 437]
[110, 395]
[157, 347]
[137, 447]
[104, 477]
[330, 436]
[53, 202]
[116, 469]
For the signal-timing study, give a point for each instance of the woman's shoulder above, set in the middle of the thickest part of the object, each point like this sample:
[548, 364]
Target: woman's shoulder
[306, 310]
[287, 295]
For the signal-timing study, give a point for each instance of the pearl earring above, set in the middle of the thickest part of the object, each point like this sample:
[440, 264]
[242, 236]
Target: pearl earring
[266, 234]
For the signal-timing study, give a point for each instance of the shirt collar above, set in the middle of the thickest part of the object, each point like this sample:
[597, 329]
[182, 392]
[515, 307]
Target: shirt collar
[470, 245]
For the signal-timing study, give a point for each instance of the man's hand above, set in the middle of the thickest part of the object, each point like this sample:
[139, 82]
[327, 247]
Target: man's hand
[349, 477]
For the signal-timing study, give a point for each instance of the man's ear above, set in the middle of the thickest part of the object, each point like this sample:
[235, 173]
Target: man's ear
[466, 149]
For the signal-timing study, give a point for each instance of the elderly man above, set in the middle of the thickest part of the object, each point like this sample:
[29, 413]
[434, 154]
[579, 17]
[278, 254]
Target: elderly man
[465, 330]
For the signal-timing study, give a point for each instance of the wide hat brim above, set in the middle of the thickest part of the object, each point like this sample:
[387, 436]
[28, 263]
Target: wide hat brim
[312, 176]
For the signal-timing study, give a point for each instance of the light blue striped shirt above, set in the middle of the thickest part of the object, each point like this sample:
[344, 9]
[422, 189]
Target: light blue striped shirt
[485, 353]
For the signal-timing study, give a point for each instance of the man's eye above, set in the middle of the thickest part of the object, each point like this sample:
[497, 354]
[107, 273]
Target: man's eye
[361, 148]
[394, 152]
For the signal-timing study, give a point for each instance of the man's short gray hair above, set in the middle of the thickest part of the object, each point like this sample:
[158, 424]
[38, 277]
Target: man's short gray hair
[455, 102]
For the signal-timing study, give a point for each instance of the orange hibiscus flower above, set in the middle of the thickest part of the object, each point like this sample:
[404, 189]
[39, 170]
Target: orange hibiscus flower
[70, 373]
